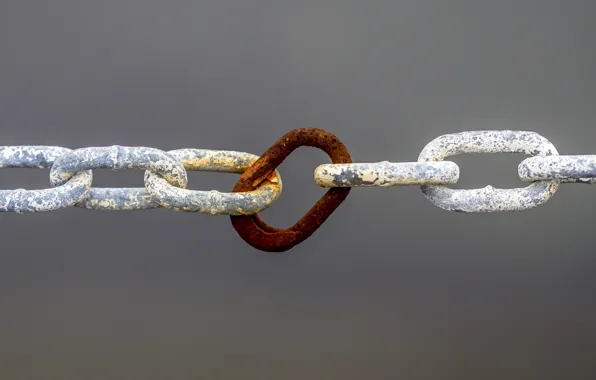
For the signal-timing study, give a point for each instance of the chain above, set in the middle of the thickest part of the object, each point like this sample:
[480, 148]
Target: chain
[260, 184]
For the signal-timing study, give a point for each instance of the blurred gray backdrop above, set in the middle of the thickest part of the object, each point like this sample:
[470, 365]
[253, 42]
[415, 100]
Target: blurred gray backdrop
[391, 287]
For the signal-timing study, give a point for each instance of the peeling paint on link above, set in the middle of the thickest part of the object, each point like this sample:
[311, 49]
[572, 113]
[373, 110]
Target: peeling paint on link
[489, 199]
[118, 158]
[214, 202]
[46, 200]
[386, 174]
[570, 169]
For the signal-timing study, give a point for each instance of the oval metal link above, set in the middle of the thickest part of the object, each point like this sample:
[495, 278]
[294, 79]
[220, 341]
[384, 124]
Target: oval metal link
[386, 174]
[489, 199]
[45, 200]
[569, 169]
[214, 202]
[252, 229]
[117, 158]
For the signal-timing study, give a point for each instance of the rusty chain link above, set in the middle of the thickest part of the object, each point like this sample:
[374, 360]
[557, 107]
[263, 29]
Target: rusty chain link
[260, 184]
[266, 238]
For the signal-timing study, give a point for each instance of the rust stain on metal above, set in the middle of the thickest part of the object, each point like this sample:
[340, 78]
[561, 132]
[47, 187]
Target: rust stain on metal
[259, 234]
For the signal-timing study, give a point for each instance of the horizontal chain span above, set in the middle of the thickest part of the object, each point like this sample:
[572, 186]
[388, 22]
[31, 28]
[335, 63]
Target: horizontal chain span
[545, 170]
[165, 180]
[260, 184]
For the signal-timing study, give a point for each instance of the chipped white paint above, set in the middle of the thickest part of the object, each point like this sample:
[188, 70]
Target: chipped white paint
[489, 199]
[46, 200]
[571, 169]
[214, 202]
[386, 174]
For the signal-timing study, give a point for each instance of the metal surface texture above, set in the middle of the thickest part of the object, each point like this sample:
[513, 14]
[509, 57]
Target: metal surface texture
[23, 201]
[569, 169]
[386, 174]
[117, 158]
[214, 202]
[489, 199]
[260, 184]
[267, 238]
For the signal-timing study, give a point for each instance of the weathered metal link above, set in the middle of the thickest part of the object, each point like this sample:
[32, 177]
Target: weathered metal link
[267, 238]
[117, 158]
[386, 174]
[489, 199]
[570, 169]
[214, 202]
[41, 157]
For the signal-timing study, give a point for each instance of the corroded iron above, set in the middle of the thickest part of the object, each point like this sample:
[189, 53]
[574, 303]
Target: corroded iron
[267, 238]
[386, 174]
[489, 199]
[570, 169]
[41, 157]
[214, 202]
[117, 158]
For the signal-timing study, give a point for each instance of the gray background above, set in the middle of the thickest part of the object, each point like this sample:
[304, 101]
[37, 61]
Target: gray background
[391, 286]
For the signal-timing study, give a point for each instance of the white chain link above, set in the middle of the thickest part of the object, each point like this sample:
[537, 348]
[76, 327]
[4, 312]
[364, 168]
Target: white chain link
[213, 202]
